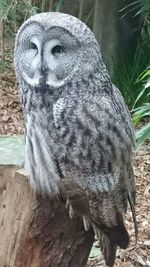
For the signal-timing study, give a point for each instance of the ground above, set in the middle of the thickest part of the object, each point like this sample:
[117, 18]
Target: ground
[11, 122]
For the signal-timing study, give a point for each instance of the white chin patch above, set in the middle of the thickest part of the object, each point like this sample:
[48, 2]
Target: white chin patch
[35, 81]
[53, 81]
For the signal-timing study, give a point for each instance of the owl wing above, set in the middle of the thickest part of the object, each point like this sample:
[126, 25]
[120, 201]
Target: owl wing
[96, 162]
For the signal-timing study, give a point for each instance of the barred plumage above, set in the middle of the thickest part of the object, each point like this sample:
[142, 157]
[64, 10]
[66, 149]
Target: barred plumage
[79, 134]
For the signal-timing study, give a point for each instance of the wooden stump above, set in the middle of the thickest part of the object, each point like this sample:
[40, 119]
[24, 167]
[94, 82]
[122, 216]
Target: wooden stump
[37, 231]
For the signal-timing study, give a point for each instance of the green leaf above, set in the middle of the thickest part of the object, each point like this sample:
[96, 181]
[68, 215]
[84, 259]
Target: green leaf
[147, 85]
[141, 5]
[59, 5]
[144, 75]
[140, 112]
[143, 134]
[144, 8]
[94, 252]
[139, 96]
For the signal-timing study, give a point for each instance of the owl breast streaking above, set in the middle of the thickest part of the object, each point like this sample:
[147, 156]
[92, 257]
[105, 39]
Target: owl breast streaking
[79, 135]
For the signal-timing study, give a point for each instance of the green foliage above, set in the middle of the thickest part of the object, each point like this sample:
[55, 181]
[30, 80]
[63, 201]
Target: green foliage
[59, 5]
[127, 70]
[143, 111]
[143, 134]
[141, 107]
[13, 13]
[139, 6]
[126, 73]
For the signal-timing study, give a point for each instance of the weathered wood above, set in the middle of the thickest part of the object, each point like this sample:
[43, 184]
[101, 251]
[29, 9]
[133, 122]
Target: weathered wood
[37, 231]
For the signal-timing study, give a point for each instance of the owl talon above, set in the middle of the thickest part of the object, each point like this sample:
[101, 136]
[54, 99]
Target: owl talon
[71, 211]
[96, 231]
[86, 223]
[67, 203]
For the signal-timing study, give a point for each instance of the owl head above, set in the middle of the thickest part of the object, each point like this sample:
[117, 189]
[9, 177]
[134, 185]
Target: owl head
[54, 47]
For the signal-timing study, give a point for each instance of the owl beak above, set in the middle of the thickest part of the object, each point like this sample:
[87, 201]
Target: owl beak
[44, 69]
[49, 75]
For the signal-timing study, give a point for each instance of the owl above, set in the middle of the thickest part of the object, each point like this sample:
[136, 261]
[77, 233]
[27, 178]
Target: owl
[79, 136]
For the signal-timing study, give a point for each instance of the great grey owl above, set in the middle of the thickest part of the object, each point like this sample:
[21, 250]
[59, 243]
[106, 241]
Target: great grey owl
[79, 135]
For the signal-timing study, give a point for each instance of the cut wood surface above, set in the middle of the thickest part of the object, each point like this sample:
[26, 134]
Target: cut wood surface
[36, 231]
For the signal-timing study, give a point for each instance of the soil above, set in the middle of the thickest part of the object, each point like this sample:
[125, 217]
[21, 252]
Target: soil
[11, 122]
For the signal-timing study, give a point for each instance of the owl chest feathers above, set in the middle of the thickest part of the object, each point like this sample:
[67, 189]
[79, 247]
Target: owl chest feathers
[74, 140]
[40, 154]
[43, 145]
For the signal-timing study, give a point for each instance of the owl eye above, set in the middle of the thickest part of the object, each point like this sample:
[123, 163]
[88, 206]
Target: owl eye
[33, 46]
[58, 49]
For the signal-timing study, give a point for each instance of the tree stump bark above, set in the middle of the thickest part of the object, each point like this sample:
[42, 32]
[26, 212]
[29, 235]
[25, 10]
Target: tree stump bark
[36, 231]
[106, 30]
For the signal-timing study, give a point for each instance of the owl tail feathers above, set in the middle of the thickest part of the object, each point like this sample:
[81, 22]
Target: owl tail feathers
[131, 199]
[110, 239]
[108, 249]
[118, 235]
